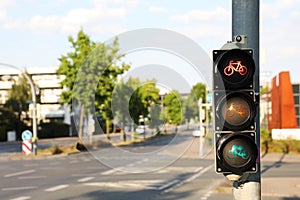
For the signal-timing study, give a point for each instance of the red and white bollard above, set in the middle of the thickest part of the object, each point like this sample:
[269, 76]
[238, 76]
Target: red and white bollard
[26, 147]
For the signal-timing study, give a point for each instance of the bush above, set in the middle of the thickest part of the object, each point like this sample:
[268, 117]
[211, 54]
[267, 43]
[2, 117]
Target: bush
[53, 129]
[277, 146]
[56, 150]
[3, 134]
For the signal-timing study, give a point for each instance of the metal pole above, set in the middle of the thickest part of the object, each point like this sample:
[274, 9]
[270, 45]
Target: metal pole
[206, 113]
[245, 21]
[34, 118]
[200, 126]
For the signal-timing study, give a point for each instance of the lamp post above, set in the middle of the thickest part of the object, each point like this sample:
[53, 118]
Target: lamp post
[33, 93]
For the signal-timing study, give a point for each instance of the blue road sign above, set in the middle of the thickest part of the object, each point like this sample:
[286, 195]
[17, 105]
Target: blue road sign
[209, 97]
[26, 135]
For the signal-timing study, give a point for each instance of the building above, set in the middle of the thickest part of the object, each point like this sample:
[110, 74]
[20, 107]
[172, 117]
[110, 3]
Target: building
[48, 88]
[283, 106]
[296, 91]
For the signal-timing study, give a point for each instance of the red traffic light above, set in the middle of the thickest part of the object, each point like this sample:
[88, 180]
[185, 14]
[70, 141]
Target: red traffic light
[235, 68]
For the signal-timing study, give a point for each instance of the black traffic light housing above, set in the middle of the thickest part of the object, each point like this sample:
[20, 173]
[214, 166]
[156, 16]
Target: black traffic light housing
[229, 72]
[237, 159]
[235, 107]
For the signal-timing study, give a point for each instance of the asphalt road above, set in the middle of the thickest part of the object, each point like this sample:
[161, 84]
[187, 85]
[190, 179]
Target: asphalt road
[155, 171]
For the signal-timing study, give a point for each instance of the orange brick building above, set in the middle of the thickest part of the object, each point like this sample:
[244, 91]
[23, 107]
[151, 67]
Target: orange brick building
[283, 105]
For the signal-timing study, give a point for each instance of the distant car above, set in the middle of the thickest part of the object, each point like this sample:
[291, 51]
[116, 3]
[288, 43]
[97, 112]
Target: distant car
[197, 132]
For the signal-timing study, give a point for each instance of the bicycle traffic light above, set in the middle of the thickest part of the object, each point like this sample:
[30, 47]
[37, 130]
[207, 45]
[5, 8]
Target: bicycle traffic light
[234, 111]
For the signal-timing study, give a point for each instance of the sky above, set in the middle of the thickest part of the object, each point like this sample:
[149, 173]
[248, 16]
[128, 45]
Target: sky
[35, 32]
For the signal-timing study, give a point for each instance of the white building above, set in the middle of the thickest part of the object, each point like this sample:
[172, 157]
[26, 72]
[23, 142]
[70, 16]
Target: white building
[49, 89]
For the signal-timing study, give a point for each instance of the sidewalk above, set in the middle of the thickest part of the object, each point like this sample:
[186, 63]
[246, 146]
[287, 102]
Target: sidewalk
[279, 187]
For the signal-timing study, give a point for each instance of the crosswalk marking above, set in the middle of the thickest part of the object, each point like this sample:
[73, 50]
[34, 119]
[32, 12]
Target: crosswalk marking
[85, 179]
[134, 184]
[56, 188]
[19, 188]
[19, 173]
[22, 198]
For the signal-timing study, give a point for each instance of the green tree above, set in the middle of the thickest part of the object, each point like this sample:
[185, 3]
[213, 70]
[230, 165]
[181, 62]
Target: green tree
[133, 98]
[143, 97]
[190, 107]
[72, 62]
[173, 108]
[190, 104]
[8, 122]
[120, 105]
[18, 99]
[91, 71]
[199, 91]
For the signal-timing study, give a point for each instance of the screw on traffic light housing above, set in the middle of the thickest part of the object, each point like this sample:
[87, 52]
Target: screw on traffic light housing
[234, 110]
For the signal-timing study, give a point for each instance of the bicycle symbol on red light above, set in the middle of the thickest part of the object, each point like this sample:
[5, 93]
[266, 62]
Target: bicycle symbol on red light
[235, 67]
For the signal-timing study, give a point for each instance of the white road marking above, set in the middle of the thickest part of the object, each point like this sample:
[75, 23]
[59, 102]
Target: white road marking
[31, 177]
[85, 179]
[52, 168]
[138, 184]
[19, 188]
[56, 188]
[207, 195]
[31, 165]
[22, 198]
[80, 175]
[123, 169]
[189, 179]
[198, 169]
[19, 173]
[111, 171]
[168, 184]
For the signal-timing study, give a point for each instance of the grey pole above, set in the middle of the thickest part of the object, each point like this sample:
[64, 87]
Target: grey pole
[33, 93]
[200, 128]
[245, 21]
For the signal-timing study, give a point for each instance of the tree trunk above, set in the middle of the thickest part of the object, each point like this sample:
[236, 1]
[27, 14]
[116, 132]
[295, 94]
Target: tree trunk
[107, 129]
[81, 122]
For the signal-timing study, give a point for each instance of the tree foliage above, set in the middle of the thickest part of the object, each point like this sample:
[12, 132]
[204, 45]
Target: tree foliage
[17, 103]
[173, 108]
[19, 95]
[91, 71]
[133, 99]
[190, 104]
[72, 62]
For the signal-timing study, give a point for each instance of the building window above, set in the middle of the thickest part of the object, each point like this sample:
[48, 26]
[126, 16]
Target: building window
[296, 89]
[297, 111]
[296, 99]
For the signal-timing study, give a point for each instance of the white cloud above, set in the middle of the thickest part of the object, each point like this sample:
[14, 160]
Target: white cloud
[156, 9]
[101, 14]
[4, 4]
[279, 35]
[219, 13]
[205, 24]
[44, 24]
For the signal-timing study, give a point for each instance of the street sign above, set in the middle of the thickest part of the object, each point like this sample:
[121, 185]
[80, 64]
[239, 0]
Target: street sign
[26, 135]
[209, 97]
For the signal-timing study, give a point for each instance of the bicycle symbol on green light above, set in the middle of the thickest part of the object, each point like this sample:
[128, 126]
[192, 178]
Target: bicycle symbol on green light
[237, 151]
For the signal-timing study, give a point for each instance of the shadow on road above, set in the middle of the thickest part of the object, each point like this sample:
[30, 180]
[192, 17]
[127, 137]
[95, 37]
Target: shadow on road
[276, 164]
